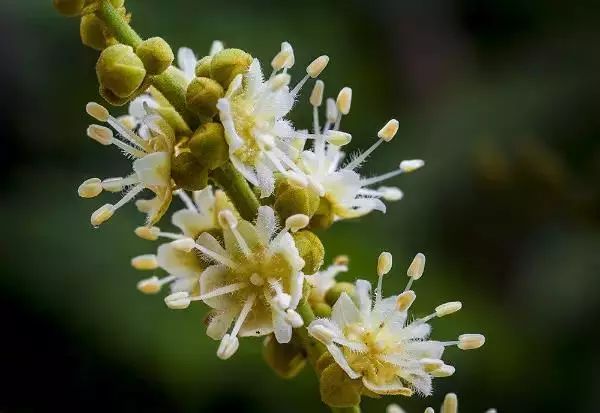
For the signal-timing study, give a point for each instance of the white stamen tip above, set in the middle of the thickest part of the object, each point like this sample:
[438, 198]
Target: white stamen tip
[344, 100]
[317, 66]
[332, 111]
[417, 266]
[394, 408]
[227, 347]
[90, 188]
[470, 341]
[281, 59]
[429, 410]
[297, 222]
[184, 244]
[100, 134]
[431, 364]
[227, 219]
[411, 165]
[291, 58]
[294, 318]
[102, 214]
[150, 285]
[113, 184]
[216, 47]
[384, 263]
[405, 300]
[450, 404]
[279, 81]
[144, 262]
[388, 132]
[316, 96]
[390, 193]
[338, 138]
[444, 371]
[321, 333]
[97, 111]
[447, 308]
[178, 301]
[148, 233]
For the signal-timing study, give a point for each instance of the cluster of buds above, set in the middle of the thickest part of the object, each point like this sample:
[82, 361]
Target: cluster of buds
[214, 133]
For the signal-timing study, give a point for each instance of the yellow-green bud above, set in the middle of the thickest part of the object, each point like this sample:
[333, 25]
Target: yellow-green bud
[203, 67]
[156, 54]
[311, 250]
[229, 63]
[120, 70]
[111, 98]
[337, 389]
[287, 360]
[93, 32]
[332, 295]
[321, 310]
[68, 7]
[188, 173]
[208, 145]
[323, 217]
[202, 96]
[291, 199]
[115, 3]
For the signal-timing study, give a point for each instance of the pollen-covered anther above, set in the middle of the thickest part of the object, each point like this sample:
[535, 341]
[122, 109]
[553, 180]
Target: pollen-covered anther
[97, 111]
[388, 132]
[317, 66]
[411, 165]
[450, 404]
[148, 233]
[294, 318]
[444, 371]
[338, 138]
[297, 222]
[281, 59]
[344, 100]
[430, 364]
[184, 244]
[228, 346]
[144, 262]
[100, 134]
[316, 96]
[390, 193]
[384, 263]
[90, 188]
[102, 214]
[417, 266]
[405, 300]
[227, 219]
[178, 301]
[470, 341]
[321, 333]
[150, 285]
[447, 308]
[279, 81]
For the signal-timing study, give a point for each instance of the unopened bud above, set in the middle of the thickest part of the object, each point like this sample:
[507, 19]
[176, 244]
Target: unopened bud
[202, 95]
[316, 96]
[384, 263]
[411, 165]
[203, 67]
[470, 341]
[93, 32]
[120, 71]
[417, 266]
[150, 285]
[338, 138]
[227, 347]
[90, 188]
[344, 100]
[334, 293]
[178, 301]
[209, 146]
[388, 132]
[100, 134]
[102, 214]
[156, 54]
[188, 173]
[69, 8]
[311, 250]
[405, 300]
[144, 262]
[147, 233]
[227, 64]
[447, 308]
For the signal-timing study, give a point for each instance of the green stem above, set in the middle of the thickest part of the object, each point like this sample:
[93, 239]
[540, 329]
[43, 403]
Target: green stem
[237, 189]
[170, 83]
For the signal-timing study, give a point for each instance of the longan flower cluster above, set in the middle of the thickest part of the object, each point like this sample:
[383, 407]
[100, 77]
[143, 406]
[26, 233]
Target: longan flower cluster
[213, 133]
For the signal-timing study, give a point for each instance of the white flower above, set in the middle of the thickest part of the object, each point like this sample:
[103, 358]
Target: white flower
[376, 342]
[183, 267]
[450, 405]
[255, 283]
[325, 279]
[349, 194]
[151, 165]
[253, 113]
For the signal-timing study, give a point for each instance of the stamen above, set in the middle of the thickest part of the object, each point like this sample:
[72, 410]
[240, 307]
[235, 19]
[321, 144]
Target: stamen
[470, 341]
[148, 233]
[100, 134]
[380, 178]
[132, 193]
[317, 66]
[405, 300]
[360, 158]
[90, 188]
[102, 214]
[390, 193]
[243, 314]
[185, 198]
[279, 81]
[97, 111]
[450, 404]
[344, 101]
[415, 269]
[228, 289]
[388, 132]
[321, 333]
[178, 301]
[228, 346]
[444, 371]
[117, 184]
[296, 222]
[331, 113]
[144, 262]
[338, 138]
[411, 165]
[228, 220]
[293, 318]
[211, 254]
[153, 284]
[430, 365]
[384, 265]
[316, 96]
[447, 308]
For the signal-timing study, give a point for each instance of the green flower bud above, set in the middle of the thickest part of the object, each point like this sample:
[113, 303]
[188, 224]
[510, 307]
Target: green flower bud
[111, 98]
[287, 360]
[337, 389]
[208, 145]
[227, 64]
[93, 32]
[120, 70]
[188, 173]
[68, 7]
[202, 96]
[291, 199]
[311, 250]
[323, 217]
[203, 67]
[115, 3]
[321, 310]
[332, 295]
[156, 54]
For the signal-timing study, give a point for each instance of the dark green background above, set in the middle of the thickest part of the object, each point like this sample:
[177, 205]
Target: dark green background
[499, 97]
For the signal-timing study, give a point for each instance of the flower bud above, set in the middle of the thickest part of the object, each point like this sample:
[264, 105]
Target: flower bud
[321, 310]
[203, 67]
[68, 8]
[227, 64]
[120, 71]
[156, 54]
[337, 389]
[202, 96]
[287, 360]
[334, 292]
[323, 216]
[208, 145]
[188, 173]
[93, 32]
[311, 250]
[291, 199]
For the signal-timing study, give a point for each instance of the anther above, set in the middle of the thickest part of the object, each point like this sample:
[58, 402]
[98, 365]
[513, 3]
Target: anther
[227, 219]
[150, 285]
[90, 188]
[102, 214]
[444, 371]
[344, 100]
[144, 262]
[447, 308]
[148, 233]
[405, 300]
[316, 96]
[297, 222]
[228, 346]
[388, 132]
[470, 341]
[390, 193]
[97, 111]
[294, 318]
[321, 333]
[100, 134]
[178, 301]
[384, 264]
[450, 404]
[417, 266]
[411, 165]
[338, 138]
[317, 66]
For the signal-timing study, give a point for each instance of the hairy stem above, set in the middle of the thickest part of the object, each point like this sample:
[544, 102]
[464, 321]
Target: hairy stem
[237, 190]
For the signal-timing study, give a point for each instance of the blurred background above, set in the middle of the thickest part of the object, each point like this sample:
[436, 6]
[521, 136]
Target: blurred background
[500, 98]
